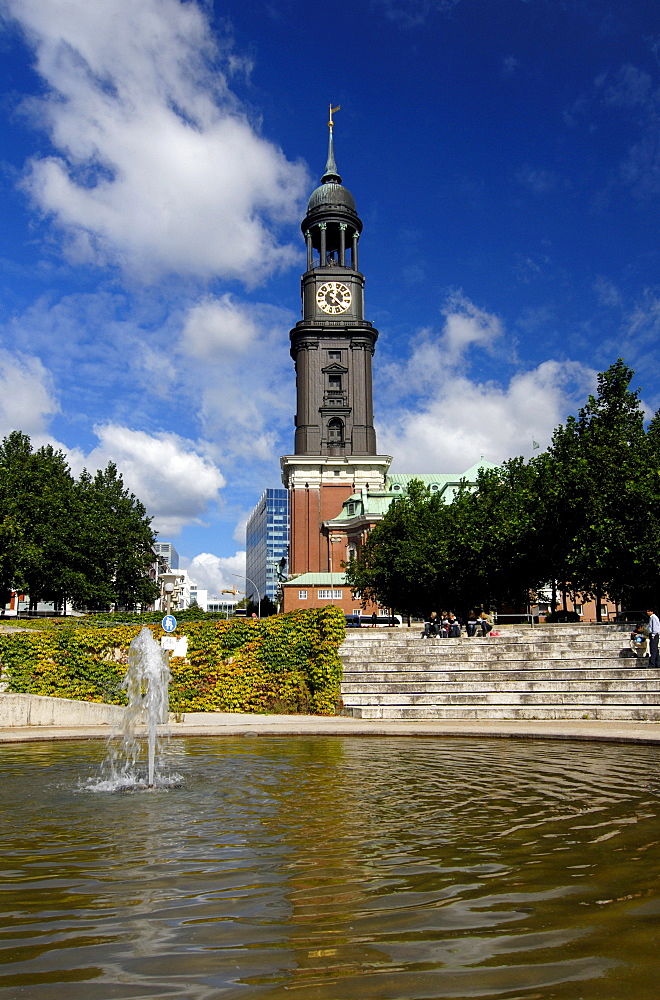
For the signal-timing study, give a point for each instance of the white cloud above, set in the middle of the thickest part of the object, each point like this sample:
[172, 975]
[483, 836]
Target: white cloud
[466, 325]
[155, 164]
[218, 573]
[463, 420]
[216, 326]
[172, 476]
[241, 528]
[245, 387]
[27, 400]
[607, 293]
[445, 422]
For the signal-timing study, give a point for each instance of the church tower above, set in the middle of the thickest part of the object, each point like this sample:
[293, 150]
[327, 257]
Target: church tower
[332, 347]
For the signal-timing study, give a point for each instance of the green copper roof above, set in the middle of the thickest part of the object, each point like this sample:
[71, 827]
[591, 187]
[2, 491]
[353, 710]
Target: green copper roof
[331, 193]
[331, 196]
[331, 173]
[317, 580]
[360, 504]
[440, 479]
[374, 504]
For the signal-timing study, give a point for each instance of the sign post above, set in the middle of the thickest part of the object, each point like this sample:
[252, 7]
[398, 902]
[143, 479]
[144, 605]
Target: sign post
[169, 623]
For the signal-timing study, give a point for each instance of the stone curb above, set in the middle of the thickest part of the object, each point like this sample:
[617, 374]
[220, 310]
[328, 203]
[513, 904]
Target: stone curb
[229, 724]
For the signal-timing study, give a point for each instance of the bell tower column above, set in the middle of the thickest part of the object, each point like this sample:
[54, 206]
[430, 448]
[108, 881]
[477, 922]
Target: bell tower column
[332, 347]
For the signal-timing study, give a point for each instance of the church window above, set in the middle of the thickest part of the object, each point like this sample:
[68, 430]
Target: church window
[334, 355]
[334, 381]
[335, 432]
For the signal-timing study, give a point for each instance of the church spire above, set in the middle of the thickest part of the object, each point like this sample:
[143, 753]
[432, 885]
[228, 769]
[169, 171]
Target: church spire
[331, 175]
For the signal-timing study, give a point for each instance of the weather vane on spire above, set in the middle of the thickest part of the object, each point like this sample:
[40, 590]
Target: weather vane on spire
[332, 111]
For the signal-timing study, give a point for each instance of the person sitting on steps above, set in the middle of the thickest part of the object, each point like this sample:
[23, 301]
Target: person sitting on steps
[431, 626]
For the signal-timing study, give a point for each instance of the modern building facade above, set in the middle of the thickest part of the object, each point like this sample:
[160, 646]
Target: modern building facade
[167, 552]
[267, 545]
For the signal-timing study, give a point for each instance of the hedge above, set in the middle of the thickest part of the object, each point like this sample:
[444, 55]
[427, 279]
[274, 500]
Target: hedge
[286, 663]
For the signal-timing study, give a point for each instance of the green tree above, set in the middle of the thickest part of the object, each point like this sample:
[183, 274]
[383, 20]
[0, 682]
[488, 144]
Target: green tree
[116, 543]
[494, 554]
[401, 562]
[602, 511]
[88, 541]
[36, 504]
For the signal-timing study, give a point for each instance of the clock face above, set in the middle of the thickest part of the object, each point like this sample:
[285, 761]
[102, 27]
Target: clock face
[333, 297]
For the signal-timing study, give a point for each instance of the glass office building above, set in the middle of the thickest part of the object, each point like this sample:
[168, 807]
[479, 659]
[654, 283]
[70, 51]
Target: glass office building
[167, 552]
[266, 544]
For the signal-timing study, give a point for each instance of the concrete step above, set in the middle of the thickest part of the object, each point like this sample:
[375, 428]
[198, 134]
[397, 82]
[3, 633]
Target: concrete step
[474, 652]
[495, 697]
[530, 673]
[576, 675]
[441, 689]
[506, 666]
[576, 711]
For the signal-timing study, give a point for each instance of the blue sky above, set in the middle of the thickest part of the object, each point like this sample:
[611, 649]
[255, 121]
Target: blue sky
[157, 157]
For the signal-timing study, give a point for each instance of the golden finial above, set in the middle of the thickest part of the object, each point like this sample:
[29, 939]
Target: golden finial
[332, 111]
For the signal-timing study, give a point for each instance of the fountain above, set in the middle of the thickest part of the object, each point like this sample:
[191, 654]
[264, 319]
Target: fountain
[146, 684]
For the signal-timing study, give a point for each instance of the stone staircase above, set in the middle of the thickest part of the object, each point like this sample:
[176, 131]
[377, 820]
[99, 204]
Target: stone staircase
[527, 672]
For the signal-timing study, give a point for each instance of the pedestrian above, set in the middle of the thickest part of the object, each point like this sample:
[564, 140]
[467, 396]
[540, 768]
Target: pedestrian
[374, 619]
[472, 624]
[654, 636]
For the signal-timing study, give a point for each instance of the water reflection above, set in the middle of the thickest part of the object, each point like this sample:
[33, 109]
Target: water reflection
[353, 868]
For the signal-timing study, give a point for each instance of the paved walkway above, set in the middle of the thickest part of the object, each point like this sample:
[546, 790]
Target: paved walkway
[236, 724]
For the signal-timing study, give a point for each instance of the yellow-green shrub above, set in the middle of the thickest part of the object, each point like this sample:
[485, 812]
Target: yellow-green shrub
[284, 663]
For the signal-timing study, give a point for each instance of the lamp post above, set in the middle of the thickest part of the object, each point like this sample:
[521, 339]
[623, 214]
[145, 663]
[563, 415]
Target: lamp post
[169, 589]
[248, 580]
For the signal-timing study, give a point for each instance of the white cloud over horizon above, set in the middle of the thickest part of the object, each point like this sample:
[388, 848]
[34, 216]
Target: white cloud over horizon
[217, 573]
[453, 420]
[155, 165]
[172, 476]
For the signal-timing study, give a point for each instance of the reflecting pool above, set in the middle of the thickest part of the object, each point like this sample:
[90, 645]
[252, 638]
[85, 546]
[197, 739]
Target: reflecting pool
[352, 868]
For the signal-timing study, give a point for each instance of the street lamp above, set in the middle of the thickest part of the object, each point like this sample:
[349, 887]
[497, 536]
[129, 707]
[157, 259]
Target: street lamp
[169, 589]
[248, 580]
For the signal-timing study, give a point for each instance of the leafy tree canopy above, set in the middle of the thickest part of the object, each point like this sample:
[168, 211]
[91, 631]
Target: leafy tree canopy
[585, 514]
[87, 540]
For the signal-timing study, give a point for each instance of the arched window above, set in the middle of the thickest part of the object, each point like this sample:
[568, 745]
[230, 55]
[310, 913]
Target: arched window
[335, 432]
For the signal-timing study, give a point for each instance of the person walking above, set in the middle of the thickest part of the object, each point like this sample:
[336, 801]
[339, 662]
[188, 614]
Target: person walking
[654, 637]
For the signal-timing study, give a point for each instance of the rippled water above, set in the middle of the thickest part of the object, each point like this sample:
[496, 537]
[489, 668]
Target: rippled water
[334, 868]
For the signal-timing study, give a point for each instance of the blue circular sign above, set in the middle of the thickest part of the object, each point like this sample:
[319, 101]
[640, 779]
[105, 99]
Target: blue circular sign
[169, 623]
